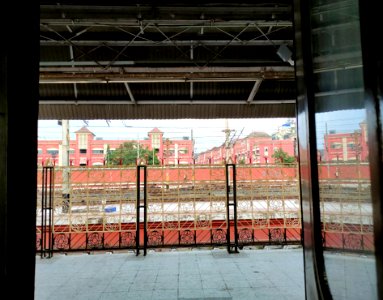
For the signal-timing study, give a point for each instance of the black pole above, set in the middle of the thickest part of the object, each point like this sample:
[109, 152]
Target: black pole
[138, 212]
[145, 213]
[231, 201]
[141, 205]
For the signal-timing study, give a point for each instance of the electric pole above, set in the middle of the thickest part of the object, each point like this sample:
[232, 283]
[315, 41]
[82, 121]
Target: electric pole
[192, 140]
[227, 140]
[138, 149]
[326, 144]
[65, 165]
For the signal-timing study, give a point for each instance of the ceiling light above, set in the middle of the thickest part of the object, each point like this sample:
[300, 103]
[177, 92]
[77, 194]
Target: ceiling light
[285, 54]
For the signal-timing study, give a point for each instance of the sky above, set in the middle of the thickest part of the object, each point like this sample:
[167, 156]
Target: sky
[207, 133]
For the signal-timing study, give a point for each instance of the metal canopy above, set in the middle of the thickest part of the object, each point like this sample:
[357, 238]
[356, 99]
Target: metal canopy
[205, 60]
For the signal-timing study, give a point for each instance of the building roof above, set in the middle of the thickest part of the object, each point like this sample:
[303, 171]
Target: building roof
[258, 134]
[84, 130]
[155, 130]
[214, 69]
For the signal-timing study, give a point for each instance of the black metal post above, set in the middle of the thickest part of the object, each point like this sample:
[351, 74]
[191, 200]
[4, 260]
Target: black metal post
[43, 186]
[231, 201]
[50, 210]
[138, 186]
[47, 212]
[145, 213]
[43, 196]
[141, 204]
[235, 208]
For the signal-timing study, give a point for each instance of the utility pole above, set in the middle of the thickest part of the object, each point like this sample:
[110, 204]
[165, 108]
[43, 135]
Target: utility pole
[167, 143]
[357, 145]
[138, 149]
[227, 140]
[65, 165]
[192, 140]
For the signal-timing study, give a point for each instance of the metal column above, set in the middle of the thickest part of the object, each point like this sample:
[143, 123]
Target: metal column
[231, 208]
[141, 205]
[47, 212]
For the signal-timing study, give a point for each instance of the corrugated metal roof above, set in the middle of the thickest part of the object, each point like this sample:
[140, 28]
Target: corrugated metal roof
[165, 111]
[164, 61]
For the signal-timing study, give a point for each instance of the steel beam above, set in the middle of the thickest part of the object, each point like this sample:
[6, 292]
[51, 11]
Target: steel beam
[254, 90]
[84, 63]
[129, 92]
[179, 23]
[339, 92]
[183, 74]
[157, 102]
[165, 43]
[190, 69]
[243, 9]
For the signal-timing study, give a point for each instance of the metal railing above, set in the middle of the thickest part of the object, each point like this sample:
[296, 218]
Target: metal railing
[182, 206]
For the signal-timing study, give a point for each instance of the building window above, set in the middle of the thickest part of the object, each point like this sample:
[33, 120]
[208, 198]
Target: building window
[156, 141]
[351, 146]
[82, 151]
[71, 151]
[336, 145]
[169, 152]
[53, 152]
[183, 151]
[83, 141]
[98, 151]
[266, 151]
[256, 151]
[39, 151]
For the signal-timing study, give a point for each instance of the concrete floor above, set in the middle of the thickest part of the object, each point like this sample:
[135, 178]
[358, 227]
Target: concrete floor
[173, 274]
[186, 274]
[351, 276]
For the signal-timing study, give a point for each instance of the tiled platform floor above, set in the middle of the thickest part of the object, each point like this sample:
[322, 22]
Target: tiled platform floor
[198, 274]
[178, 274]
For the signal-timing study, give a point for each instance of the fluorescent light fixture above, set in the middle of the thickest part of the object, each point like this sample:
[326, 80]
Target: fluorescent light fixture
[285, 54]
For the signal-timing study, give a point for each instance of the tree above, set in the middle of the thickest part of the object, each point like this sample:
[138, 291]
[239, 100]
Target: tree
[107, 155]
[127, 154]
[282, 157]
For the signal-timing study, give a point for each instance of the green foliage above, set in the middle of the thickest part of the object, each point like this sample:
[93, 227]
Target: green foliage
[282, 157]
[127, 154]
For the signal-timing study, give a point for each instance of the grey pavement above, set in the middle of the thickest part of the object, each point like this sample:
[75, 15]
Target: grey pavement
[351, 276]
[186, 274]
[182, 274]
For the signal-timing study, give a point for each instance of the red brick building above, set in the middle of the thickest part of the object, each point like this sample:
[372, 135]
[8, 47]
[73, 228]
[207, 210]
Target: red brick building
[256, 148]
[87, 150]
[351, 146]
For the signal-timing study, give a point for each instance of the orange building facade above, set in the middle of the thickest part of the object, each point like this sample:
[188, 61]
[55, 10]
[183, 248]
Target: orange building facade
[256, 148]
[350, 146]
[87, 150]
